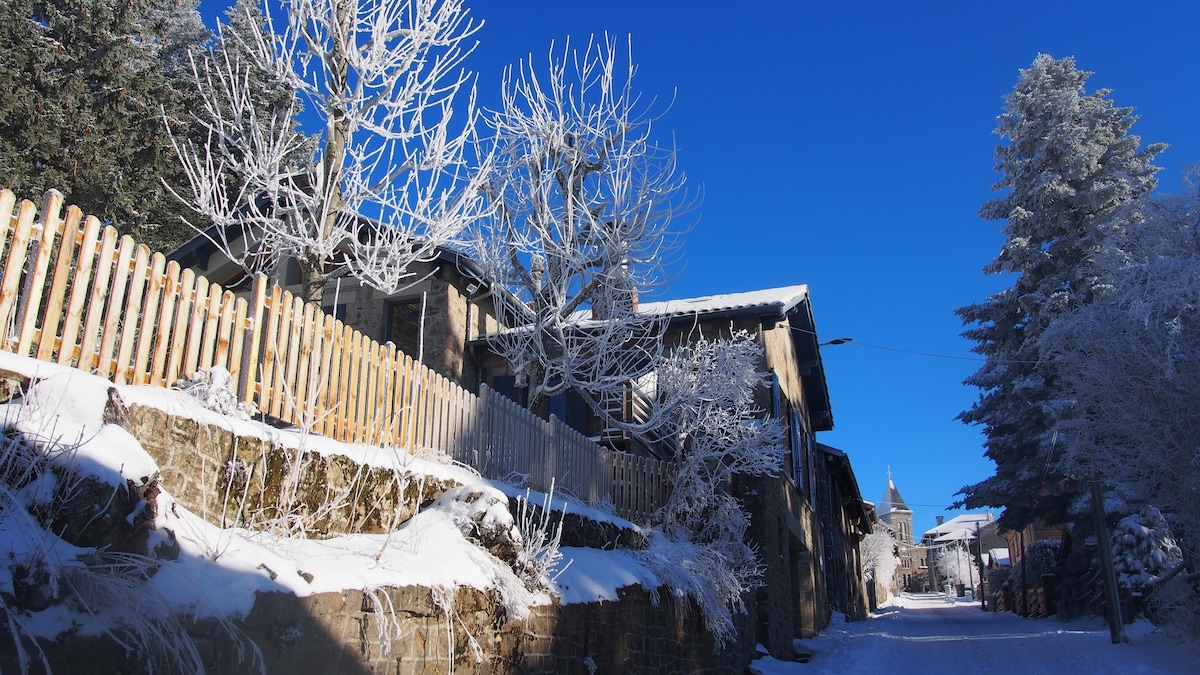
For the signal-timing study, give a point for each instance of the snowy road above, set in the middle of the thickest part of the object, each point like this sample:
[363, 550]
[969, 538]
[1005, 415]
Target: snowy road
[930, 633]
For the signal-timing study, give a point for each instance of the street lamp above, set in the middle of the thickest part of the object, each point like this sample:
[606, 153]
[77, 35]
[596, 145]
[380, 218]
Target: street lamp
[836, 341]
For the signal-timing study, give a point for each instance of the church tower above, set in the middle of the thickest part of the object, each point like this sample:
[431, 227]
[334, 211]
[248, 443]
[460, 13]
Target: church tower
[898, 517]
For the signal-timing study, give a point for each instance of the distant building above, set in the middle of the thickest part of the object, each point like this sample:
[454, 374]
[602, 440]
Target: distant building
[965, 530]
[912, 574]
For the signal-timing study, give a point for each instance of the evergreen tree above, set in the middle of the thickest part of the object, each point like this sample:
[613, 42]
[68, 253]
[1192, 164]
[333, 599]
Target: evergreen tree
[1068, 170]
[85, 86]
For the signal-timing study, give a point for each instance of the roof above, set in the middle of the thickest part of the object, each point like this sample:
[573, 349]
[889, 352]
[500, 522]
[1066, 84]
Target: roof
[999, 556]
[956, 525]
[842, 461]
[892, 501]
[778, 301]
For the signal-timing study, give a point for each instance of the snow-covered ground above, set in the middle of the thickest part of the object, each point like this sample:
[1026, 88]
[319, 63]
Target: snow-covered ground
[925, 633]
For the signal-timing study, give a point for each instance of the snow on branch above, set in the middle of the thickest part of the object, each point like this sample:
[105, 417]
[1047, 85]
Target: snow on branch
[583, 202]
[720, 432]
[382, 184]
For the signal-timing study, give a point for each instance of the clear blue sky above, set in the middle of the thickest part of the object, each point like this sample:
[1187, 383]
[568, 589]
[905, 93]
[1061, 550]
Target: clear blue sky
[848, 146]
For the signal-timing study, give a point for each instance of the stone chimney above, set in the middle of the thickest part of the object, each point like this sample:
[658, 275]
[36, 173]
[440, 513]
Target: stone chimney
[940, 520]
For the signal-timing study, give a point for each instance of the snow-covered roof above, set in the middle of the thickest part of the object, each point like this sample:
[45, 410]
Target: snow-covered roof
[999, 556]
[782, 299]
[966, 521]
[957, 535]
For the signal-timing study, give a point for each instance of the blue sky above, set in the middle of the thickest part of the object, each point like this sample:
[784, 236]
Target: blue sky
[848, 146]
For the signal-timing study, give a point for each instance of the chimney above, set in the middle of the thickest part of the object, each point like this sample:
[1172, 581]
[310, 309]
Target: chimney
[940, 520]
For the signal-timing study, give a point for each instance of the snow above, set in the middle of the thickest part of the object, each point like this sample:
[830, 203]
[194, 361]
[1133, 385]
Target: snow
[961, 527]
[784, 298]
[932, 632]
[218, 571]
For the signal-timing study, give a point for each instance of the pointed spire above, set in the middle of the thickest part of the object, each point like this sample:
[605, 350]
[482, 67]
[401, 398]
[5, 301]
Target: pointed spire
[892, 501]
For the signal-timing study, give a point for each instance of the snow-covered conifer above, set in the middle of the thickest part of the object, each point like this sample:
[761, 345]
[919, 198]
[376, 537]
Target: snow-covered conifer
[1129, 365]
[1067, 172]
[1143, 549]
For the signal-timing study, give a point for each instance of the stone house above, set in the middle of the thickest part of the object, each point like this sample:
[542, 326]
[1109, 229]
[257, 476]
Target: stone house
[453, 298]
[786, 527]
[447, 307]
[785, 524]
[845, 520]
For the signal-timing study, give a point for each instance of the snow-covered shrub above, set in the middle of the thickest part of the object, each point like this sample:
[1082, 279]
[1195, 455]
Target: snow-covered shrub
[539, 558]
[1175, 605]
[1143, 549]
[213, 388]
[706, 575]
[1041, 557]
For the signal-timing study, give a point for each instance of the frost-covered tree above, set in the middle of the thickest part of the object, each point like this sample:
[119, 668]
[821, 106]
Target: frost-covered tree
[582, 205]
[384, 184]
[1068, 171]
[879, 559]
[956, 565]
[1129, 368]
[84, 88]
[720, 433]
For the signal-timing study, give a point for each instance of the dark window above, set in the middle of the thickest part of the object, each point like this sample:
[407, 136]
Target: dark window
[506, 385]
[404, 326]
[572, 409]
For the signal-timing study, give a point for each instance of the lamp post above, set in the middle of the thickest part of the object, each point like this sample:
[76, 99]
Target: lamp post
[979, 557]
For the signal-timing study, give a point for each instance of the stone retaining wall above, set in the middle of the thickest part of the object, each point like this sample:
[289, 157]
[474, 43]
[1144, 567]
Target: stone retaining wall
[339, 633]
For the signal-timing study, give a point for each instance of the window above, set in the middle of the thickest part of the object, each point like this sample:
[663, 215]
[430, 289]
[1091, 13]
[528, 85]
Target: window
[572, 409]
[404, 326]
[569, 406]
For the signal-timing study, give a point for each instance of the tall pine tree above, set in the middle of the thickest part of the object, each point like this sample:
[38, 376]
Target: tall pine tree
[1068, 171]
[84, 86]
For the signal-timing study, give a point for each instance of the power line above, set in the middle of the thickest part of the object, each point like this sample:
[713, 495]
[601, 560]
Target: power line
[843, 340]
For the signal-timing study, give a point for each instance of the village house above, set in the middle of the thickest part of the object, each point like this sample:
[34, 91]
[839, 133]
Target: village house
[446, 307]
[845, 520]
[450, 306]
[967, 531]
[785, 524]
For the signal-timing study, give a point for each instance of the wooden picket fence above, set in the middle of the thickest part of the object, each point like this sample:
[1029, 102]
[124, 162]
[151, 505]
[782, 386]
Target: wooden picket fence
[77, 293]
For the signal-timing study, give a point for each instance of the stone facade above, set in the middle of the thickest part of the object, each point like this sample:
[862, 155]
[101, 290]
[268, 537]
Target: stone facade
[448, 304]
[846, 521]
[232, 480]
[339, 633]
[912, 573]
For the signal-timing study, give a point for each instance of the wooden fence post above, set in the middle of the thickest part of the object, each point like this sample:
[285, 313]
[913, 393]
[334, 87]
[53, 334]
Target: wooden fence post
[12, 271]
[35, 275]
[249, 369]
[63, 271]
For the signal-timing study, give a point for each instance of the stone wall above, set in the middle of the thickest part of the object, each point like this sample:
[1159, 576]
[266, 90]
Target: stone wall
[339, 633]
[232, 480]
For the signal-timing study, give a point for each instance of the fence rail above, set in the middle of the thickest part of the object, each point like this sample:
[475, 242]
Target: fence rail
[77, 293]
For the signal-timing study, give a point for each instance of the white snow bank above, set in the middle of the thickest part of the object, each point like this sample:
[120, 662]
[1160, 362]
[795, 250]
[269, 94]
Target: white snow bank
[218, 571]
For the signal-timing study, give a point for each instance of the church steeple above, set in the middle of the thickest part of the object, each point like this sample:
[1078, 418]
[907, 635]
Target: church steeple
[892, 501]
